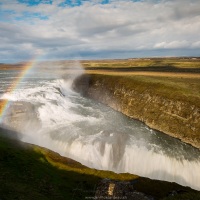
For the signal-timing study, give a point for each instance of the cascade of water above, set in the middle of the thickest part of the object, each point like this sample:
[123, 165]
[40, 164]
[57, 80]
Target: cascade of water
[99, 137]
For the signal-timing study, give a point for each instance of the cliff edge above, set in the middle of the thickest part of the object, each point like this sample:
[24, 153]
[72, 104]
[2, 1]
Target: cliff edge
[165, 107]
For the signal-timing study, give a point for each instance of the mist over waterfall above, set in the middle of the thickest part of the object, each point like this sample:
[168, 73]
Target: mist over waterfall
[52, 115]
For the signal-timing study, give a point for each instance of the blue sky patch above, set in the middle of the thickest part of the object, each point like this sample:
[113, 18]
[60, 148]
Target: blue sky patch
[6, 15]
[105, 2]
[70, 3]
[30, 15]
[35, 2]
[73, 3]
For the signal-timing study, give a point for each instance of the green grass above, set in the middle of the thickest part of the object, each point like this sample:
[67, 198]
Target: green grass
[178, 88]
[26, 174]
[188, 88]
[185, 89]
[144, 62]
[31, 172]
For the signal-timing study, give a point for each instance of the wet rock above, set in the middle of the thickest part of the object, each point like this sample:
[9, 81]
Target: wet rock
[111, 189]
[21, 116]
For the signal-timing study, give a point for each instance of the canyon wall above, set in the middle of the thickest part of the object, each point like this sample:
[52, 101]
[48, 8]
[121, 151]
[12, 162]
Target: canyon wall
[168, 112]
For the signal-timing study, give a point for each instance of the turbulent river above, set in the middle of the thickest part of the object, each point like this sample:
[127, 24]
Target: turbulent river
[56, 117]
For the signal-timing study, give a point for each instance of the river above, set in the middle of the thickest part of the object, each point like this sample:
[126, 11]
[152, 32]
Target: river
[58, 118]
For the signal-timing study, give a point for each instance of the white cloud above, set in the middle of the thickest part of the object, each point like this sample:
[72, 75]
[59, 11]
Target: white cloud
[173, 45]
[94, 29]
[196, 44]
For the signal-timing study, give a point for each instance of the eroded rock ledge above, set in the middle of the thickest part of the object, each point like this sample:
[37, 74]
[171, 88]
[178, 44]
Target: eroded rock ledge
[171, 113]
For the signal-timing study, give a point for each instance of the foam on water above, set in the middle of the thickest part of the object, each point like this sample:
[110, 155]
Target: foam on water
[99, 137]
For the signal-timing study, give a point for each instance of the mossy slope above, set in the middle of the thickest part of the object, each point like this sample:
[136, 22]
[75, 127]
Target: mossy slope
[31, 172]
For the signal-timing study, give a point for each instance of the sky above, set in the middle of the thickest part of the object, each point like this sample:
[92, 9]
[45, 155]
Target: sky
[98, 29]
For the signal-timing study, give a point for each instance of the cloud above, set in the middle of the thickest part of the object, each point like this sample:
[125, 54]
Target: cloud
[97, 29]
[173, 45]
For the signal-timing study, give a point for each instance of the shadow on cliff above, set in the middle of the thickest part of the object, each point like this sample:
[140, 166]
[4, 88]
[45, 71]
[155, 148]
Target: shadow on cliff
[10, 134]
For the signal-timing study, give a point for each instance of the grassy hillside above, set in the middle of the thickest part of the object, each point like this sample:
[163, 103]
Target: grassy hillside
[31, 172]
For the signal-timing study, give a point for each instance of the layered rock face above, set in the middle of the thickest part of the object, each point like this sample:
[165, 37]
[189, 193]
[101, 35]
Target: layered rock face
[172, 114]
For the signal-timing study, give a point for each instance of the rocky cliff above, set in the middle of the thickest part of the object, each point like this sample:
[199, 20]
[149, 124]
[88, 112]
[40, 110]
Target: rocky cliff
[160, 107]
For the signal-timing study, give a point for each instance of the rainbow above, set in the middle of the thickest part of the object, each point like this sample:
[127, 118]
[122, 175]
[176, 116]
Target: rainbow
[4, 104]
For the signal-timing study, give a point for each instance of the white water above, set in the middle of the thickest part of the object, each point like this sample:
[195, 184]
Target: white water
[99, 137]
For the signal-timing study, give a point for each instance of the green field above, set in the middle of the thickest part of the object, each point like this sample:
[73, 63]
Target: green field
[176, 78]
[144, 62]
